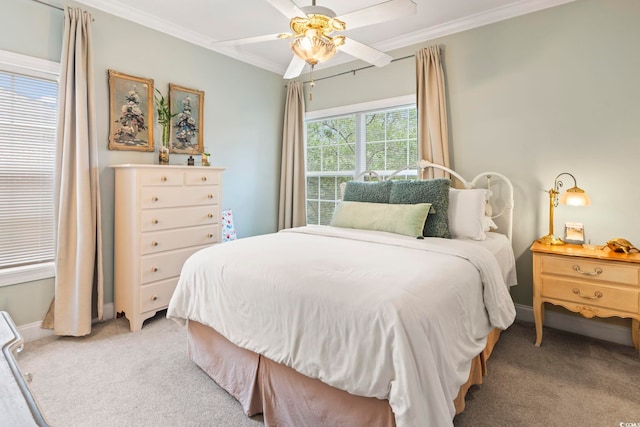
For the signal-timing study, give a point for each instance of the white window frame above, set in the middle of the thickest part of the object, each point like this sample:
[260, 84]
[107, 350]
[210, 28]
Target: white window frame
[380, 104]
[39, 68]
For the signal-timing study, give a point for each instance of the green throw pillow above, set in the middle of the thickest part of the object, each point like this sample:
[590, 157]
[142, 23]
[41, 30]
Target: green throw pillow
[372, 192]
[434, 191]
[400, 219]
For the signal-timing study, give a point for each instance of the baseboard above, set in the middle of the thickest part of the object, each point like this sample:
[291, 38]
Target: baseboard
[33, 331]
[578, 325]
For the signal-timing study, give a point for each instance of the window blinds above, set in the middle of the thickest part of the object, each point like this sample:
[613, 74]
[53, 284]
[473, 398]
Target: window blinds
[28, 110]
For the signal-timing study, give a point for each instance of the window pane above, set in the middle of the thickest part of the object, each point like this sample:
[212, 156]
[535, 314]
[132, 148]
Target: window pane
[340, 148]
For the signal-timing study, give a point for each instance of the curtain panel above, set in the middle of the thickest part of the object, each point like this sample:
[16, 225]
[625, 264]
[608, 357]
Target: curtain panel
[433, 133]
[292, 209]
[78, 263]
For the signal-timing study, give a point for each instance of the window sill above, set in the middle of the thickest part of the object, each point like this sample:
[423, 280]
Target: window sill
[28, 273]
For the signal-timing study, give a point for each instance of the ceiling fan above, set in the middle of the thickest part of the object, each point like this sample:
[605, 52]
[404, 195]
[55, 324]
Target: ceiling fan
[312, 28]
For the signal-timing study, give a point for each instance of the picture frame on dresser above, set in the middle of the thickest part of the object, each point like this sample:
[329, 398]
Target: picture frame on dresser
[130, 112]
[187, 106]
[574, 233]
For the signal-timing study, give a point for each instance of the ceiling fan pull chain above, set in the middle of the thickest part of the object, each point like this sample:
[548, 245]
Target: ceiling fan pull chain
[311, 83]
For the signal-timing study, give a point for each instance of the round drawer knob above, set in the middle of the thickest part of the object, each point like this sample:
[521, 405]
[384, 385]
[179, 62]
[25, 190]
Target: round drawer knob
[204, 178]
[209, 235]
[210, 215]
[154, 199]
[210, 196]
[154, 221]
[154, 269]
[154, 298]
[163, 179]
[154, 243]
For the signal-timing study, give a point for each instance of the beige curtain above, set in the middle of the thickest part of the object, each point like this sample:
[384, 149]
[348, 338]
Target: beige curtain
[433, 134]
[292, 210]
[78, 237]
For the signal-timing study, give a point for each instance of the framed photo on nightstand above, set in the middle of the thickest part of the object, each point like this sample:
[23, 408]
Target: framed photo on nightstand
[574, 233]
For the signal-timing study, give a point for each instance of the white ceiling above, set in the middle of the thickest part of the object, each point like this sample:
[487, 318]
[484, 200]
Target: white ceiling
[204, 22]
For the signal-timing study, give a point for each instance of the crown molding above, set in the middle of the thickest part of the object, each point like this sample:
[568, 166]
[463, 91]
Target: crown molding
[124, 11]
[468, 23]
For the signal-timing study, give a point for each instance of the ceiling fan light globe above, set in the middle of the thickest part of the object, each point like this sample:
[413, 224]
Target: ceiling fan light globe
[313, 49]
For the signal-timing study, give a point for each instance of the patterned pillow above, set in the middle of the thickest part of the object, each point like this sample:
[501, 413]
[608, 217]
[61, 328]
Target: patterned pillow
[371, 192]
[434, 191]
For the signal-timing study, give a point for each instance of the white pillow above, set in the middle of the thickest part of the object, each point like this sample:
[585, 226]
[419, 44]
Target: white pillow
[467, 216]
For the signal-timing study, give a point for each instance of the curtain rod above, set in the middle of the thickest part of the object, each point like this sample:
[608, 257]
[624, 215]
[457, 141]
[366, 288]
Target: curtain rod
[354, 70]
[49, 4]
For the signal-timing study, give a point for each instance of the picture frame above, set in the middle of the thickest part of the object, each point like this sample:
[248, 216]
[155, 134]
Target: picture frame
[574, 233]
[130, 112]
[187, 124]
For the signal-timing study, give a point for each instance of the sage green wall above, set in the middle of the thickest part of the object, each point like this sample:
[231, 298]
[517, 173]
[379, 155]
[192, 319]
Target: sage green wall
[531, 97]
[242, 123]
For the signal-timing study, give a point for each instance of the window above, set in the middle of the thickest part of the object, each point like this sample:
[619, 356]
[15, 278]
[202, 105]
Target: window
[28, 114]
[343, 143]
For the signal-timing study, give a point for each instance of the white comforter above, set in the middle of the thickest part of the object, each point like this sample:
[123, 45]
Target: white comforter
[372, 313]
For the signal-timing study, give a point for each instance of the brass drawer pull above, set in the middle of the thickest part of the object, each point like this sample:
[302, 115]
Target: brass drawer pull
[204, 178]
[154, 221]
[210, 196]
[154, 199]
[596, 294]
[595, 272]
[154, 269]
[210, 215]
[163, 179]
[210, 235]
[154, 298]
[154, 243]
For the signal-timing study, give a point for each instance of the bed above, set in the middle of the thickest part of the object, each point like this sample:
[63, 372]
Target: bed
[364, 322]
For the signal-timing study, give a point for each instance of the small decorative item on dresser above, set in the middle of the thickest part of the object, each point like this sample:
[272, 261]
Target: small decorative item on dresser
[191, 161]
[205, 159]
[621, 245]
[164, 119]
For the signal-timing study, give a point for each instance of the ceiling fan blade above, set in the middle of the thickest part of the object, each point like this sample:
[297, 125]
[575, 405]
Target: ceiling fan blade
[295, 68]
[248, 40]
[387, 11]
[364, 52]
[287, 8]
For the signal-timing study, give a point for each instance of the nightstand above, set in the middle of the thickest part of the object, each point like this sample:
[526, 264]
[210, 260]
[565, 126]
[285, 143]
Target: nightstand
[592, 282]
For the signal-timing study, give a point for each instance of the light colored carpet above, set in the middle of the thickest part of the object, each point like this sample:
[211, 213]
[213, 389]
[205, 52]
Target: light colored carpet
[115, 377]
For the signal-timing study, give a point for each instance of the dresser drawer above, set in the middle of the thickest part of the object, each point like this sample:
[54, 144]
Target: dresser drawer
[161, 178]
[159, 197]
[583, 292]
[179, 238]
[201, 177]
[591, 270]
[157, 295]
[164, 265]
[163, 219]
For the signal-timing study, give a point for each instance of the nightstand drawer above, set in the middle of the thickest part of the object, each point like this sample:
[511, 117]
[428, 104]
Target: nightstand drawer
[619, 298]
[591, 270]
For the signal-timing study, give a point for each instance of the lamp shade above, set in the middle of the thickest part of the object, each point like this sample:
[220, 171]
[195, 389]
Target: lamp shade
[575, 197]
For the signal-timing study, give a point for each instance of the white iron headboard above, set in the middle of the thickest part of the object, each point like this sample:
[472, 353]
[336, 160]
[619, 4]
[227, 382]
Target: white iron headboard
[501, 200]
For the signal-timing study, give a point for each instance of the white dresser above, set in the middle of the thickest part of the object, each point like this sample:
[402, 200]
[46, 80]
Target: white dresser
[163, 214]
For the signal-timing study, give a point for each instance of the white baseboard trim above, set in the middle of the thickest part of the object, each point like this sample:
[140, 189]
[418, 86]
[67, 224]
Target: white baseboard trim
[578, 325]
[33, 331]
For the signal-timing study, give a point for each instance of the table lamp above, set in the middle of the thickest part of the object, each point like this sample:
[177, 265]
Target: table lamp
[573, 196]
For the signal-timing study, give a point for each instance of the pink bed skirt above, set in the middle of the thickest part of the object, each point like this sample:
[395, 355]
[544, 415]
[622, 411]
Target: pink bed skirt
[288, 398]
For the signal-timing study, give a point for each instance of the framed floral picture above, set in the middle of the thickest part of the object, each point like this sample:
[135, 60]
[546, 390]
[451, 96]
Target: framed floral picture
[187, 105]
[130, 112]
